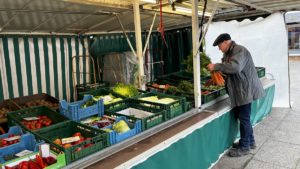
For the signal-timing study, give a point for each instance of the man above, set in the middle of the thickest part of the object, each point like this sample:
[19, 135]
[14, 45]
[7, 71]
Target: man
[243, 86]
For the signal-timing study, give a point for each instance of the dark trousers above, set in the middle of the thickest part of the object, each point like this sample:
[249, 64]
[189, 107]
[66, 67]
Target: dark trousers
[246, 131]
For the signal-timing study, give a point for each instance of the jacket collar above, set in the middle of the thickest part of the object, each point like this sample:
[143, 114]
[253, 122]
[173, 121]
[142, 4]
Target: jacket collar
[232, 45]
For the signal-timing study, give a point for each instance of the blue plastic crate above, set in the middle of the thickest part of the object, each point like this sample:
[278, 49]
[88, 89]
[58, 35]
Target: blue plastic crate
[16, 130]
[74, 112]
[115, 137]
[27, 142]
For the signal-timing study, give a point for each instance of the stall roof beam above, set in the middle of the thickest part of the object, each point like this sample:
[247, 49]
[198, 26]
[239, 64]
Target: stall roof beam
[243, 2]
[99, 12]
[121, 4]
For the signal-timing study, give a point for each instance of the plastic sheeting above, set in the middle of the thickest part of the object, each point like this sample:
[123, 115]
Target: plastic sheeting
[267, 41]
[120, 68]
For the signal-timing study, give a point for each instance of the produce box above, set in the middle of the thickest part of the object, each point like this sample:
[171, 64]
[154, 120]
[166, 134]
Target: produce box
[222, 92]
[26, 142]
[35, 118]
[176, 77]
[54, 161]
[133, 110]
[7, 106]
[37, 100]
[60, 138]
[261, 71]
[91, 86]
[211, 95]
[175, 105]
[122, 129]
[158, 86]
[188, 106]
[207, 95]
[108, 96]
[77, 111]
[14, 130]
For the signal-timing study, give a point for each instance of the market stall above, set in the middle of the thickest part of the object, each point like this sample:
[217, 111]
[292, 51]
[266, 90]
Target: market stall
[89, 124]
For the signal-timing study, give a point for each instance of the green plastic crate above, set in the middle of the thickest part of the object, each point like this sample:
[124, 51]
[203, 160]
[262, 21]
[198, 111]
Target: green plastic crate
[222, 92]
[210, 96]
[99, 139]
[60, 160]
[261, 71]
[205, 98]
[173, 109]
[16, 117]
[188, 106]
[148, 122]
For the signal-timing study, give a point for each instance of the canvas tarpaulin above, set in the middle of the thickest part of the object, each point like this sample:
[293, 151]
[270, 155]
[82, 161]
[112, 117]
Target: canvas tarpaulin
[267, 41]
[41, 64]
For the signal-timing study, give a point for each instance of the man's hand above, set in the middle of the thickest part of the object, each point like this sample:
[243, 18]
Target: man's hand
[211, 67]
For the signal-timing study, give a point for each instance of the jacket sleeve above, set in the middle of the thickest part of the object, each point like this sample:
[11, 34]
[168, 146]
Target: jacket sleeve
[236, 64]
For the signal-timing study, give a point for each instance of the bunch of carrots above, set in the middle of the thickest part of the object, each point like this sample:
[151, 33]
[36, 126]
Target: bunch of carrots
[217, 78]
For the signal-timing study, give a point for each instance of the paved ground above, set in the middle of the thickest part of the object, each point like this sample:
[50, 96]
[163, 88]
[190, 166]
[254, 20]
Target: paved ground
[277, 136]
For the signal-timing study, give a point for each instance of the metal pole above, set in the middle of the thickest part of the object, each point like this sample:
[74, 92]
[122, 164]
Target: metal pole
[128, 41]
[196, 58]
[139, 46]
[148, 38]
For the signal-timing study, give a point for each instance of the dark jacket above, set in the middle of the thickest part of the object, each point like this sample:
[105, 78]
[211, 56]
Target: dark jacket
[242, 82]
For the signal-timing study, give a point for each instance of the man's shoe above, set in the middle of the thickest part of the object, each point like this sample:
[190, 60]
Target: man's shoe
[238, 152]
[236, 145]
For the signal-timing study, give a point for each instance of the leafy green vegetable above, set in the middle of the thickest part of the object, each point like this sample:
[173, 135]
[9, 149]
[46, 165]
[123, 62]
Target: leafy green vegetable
[125, 90]
[204, 61]
[186, 86]
[88, 103]
[173, 90]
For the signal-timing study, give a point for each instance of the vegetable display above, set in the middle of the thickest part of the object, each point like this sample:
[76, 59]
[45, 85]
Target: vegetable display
[125, 90]
[38, 122]
[204, 61]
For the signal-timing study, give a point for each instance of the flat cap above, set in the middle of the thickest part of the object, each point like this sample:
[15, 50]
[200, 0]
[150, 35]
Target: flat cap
[221, 38]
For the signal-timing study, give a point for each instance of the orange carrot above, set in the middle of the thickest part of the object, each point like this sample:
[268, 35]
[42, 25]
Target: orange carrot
[217, 78]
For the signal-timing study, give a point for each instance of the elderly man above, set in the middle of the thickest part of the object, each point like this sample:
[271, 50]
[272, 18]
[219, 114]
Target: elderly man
[243, 86]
